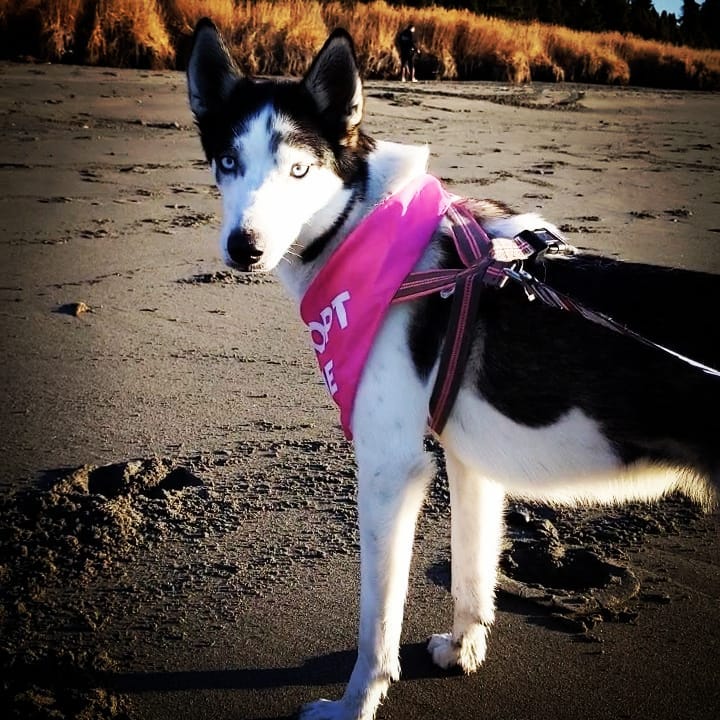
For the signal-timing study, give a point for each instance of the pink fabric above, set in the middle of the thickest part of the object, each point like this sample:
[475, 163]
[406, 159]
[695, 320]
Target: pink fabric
[346, 303]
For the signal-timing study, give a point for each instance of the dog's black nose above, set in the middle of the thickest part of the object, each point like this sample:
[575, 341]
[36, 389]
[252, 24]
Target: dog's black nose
[242, 249]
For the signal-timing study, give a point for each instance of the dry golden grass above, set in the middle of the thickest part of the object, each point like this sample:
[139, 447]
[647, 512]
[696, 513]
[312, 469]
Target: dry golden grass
[282, 37]
[132, 32]
[60, 22]
[265, 37]
[107, 32]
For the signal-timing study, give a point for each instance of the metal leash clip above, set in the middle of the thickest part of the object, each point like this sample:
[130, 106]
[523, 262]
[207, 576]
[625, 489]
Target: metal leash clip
[522, 276]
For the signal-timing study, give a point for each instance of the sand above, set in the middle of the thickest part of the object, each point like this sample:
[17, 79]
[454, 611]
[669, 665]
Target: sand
[178, 531]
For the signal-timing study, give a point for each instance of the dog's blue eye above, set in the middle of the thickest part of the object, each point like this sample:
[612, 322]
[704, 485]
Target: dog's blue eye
[298, 170]
[228, 163]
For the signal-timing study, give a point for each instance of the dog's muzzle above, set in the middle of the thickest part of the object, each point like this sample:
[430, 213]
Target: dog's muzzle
[242, 249]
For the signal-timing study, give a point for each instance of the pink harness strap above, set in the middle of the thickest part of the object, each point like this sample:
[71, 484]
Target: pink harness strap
[347, 301]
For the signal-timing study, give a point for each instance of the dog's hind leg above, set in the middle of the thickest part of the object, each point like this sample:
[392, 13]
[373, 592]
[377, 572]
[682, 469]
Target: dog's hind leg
[477, 506]
[390, 494]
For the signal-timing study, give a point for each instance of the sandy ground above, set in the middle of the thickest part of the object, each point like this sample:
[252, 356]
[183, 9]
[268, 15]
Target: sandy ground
[178, 526]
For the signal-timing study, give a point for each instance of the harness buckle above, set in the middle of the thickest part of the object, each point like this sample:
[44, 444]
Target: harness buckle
[543, 241]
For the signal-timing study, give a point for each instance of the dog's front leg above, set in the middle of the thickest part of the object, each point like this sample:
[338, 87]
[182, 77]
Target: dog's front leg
[390, 494]
[477, 506]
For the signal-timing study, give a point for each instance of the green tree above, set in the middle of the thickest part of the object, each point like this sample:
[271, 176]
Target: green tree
[692, 31]
[644, 18]
[616, 15]
[589, 16]
[550, 11]
[710, 17]
[668, 28]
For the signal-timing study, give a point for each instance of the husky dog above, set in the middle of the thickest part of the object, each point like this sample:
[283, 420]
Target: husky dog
[552, 407]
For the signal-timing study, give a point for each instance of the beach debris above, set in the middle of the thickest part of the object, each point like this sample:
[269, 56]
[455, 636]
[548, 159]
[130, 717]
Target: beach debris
[571, 100]
[74, 308]
[228, 277]
[679, 213]
[192, 219]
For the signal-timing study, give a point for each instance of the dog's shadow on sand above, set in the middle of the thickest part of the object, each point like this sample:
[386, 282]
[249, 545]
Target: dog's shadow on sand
[332, 668]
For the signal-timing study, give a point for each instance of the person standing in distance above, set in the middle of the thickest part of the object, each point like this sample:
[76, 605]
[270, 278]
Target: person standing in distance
[405, 43]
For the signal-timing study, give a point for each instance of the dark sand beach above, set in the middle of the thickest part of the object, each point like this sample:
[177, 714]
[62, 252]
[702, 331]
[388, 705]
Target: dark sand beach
[177, 520]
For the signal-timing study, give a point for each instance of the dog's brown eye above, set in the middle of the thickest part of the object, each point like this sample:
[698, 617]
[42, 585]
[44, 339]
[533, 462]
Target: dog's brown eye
[298, 170]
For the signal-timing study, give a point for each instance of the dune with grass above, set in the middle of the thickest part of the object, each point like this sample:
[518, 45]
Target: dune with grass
[275, 38]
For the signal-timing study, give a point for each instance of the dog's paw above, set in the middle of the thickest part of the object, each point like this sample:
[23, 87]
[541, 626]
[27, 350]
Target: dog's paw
[468, 653]
[322, 710]
[338, 710]
[445, 653]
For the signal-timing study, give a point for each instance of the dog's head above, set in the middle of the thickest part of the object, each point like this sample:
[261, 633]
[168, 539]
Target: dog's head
[284, 153]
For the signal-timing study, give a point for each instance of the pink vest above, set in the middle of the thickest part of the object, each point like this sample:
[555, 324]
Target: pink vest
[347, 301]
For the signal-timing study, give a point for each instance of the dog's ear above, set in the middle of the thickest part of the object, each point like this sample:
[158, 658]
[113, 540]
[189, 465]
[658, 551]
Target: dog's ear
[334, 82]
[211, 71]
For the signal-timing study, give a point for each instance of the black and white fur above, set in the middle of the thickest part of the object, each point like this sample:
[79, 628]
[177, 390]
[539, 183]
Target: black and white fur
[552, 407]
